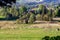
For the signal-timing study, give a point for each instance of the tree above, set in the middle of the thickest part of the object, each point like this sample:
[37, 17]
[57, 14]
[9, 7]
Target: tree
[32, 18]
[43, 10]
[27, 15]
[50, 15]
[22, 10]
[38, 17]
[5, 11]
[14, 12]
[57, 12]
[23, 15]
[1, 12]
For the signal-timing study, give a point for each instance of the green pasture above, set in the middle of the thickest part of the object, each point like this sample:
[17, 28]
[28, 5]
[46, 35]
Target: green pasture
[27, 33]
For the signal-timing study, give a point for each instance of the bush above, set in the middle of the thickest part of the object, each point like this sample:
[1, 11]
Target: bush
[18, 21]
[45, 18]
[32, 18]
[38, 17]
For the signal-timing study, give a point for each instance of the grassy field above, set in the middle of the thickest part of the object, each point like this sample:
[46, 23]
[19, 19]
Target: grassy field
[9, 30]
[27, 33]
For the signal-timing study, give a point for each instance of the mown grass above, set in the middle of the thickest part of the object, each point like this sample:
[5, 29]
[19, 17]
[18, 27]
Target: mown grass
[27, 34]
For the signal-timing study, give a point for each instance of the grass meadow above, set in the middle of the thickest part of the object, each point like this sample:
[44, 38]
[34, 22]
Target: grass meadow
[27, 33]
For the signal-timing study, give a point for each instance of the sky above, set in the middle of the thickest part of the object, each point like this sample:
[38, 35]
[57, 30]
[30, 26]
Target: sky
[29, 1]
[35, 0]
[47, 1]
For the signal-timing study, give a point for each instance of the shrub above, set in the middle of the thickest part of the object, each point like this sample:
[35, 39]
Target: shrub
[19, 21]
[38, 17]
[45, 18]
[32, 18]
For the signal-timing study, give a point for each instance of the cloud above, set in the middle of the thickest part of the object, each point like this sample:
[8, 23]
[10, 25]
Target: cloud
[41, 0]
[30, 0]
[34, 0]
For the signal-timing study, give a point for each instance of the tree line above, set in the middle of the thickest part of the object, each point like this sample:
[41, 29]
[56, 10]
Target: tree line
[22, 15]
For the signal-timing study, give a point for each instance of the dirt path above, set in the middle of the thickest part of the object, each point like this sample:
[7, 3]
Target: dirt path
[7, 24]
[45, 25]
[11, 24]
